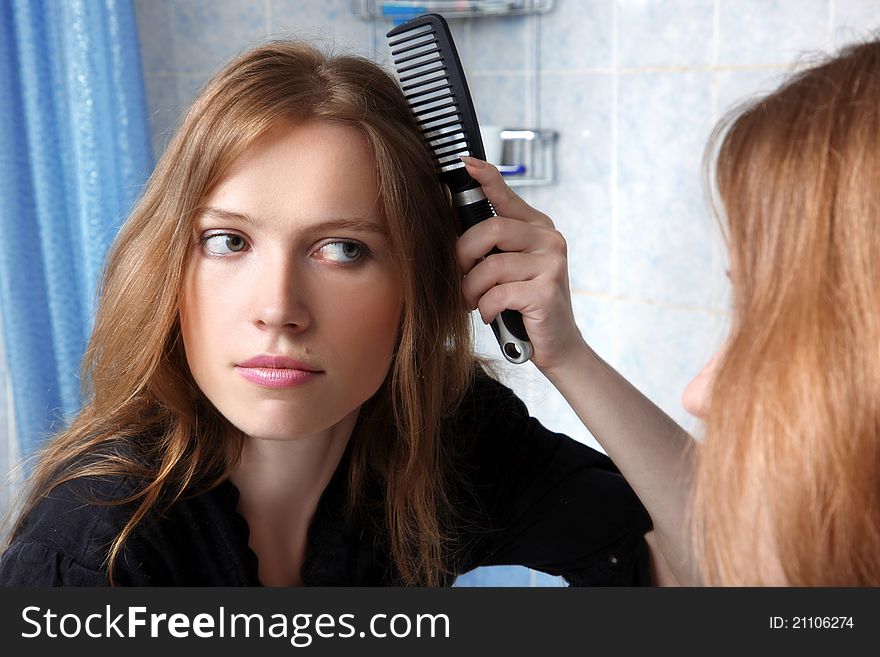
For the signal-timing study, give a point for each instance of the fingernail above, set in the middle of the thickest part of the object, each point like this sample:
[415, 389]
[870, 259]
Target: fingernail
[473, 162]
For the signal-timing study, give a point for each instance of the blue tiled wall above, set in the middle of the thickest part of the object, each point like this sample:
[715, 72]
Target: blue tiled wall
[633, 87]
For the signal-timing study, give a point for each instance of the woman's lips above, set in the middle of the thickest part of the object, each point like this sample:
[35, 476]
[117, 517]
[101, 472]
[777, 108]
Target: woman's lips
[276, 371]
[275, 377]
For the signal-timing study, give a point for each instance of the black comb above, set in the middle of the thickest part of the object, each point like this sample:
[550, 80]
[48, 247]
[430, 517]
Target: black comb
[433, 82]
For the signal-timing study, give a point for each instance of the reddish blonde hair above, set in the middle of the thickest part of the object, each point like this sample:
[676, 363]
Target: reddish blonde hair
[787, 489]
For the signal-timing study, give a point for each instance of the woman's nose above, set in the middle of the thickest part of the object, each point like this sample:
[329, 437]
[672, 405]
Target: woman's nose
[697, 394]
[280, 296]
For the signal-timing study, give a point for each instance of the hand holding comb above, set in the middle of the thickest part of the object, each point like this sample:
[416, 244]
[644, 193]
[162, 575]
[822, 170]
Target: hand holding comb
[433, 82]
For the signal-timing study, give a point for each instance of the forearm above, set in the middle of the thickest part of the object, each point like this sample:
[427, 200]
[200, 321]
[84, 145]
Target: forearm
[648, 447]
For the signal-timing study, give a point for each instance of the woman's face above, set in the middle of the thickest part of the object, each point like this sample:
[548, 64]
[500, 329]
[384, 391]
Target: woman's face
[292, 300]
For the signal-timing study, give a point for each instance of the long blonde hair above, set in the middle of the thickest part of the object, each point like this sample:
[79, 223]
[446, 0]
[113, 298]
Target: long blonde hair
[790, 466]
[139, 386]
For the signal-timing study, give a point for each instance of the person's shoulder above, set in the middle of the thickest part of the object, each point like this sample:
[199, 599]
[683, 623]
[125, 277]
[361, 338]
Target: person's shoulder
[76, 513]
[91, 492]
[494, 428]
[490, 425]
[488, 403]
[66, 536]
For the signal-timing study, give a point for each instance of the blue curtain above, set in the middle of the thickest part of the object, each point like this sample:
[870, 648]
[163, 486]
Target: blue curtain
[74, 154]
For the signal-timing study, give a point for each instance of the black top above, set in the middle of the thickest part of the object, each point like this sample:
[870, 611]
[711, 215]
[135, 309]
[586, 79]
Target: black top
[527, 496]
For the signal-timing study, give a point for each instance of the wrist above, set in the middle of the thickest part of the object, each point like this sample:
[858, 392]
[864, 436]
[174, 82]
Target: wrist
[574, 360]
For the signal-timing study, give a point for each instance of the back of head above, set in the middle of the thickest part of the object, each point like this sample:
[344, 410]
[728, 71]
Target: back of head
[786, 490]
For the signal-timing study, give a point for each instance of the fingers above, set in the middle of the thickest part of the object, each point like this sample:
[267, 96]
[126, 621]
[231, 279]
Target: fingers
[505, 201]
[518, 281]
[537, 300]
[500, 268]
[510, 296]
[506, 235]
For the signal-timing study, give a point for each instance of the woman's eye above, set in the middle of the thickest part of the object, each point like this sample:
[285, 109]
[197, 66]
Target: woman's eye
[224, 243]
[342, 251]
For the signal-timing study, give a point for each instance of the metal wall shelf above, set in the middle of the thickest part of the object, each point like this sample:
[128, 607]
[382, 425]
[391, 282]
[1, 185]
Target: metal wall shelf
[528, 157]
[403, 10]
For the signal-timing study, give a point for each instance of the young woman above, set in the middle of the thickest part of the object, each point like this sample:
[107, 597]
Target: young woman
[282, 387]
[785, 480]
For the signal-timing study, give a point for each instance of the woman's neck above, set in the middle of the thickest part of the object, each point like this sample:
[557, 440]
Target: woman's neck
[280, 484]
[289, 471]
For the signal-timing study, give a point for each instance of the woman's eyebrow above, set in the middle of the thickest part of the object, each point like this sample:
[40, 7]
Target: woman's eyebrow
[336, 223]
[228, 215]
[353, 223]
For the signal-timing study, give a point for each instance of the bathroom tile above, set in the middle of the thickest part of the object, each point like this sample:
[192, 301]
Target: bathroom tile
[500, 98]
[163, 105]
[381, 53]
[577, 35]
[499, 44]
[461, 35]
[170, 97]
[496, 576]
[330, 24]
[581, 211]
[204, 36]
[664, 227]
[736, 87]
[595, 319]
[771, 32]
[855, 20]
[665, 33]
[189, 86]
[579, 108]
[661, 349]
[155, 36]
[665, 250]
[664, 120]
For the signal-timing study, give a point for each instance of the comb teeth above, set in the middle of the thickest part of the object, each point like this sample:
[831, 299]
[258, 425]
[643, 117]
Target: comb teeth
[425, 82]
